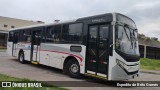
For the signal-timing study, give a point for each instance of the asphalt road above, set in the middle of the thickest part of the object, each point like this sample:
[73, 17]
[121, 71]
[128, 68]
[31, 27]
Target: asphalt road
[10, 66]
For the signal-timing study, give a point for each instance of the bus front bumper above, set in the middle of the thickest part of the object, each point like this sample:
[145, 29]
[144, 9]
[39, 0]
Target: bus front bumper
[121, 74]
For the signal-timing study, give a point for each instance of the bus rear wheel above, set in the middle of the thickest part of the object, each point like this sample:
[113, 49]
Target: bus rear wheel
[21, 58]
[73, 69]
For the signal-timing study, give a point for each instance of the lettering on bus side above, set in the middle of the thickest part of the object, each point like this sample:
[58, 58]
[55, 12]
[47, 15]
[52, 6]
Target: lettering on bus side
[98, 20]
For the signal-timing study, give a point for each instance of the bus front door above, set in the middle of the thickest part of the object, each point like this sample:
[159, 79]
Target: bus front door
[35, 46]
[97, 51]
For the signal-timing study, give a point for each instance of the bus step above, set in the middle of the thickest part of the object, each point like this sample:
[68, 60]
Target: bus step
[34, 62]
[96, 76]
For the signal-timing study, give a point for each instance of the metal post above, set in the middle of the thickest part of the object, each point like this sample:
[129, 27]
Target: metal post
[145, 51]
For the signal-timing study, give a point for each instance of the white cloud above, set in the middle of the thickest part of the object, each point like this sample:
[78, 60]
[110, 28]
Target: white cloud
[146, 5]
[150, 28]
[144, 12]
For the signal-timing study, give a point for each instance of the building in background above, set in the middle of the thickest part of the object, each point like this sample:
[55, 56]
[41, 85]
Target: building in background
[9, 23]
[149, 47]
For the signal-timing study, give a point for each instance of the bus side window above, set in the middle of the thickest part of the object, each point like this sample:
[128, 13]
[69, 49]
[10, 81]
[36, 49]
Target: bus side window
[65, 31]
[53, 34]
[21, 36]
[72, 33]
[16, 37]
[11, 36]
[27, 36]
[37, 39]
[57, 34]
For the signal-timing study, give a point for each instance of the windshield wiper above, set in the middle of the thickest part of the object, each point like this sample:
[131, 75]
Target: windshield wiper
[124, 27]
[131, 37]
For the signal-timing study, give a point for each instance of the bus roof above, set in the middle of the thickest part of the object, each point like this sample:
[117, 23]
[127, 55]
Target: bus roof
[109, 15]
[41, 25]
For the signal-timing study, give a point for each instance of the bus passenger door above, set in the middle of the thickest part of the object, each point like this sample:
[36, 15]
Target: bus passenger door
[97, 51]
[15, 41]
[35, 45]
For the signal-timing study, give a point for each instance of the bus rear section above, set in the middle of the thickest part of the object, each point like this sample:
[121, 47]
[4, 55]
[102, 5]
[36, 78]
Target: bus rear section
[12, 43]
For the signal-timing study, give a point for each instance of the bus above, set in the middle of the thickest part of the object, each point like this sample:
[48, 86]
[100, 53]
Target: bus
[104, 46]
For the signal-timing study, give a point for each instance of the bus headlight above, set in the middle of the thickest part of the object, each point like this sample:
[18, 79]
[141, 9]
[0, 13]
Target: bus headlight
[121, 64]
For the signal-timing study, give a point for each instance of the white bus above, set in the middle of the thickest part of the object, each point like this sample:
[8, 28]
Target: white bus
[103, 46]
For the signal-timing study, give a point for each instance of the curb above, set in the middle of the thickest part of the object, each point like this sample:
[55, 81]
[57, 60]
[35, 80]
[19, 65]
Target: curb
[150, 72]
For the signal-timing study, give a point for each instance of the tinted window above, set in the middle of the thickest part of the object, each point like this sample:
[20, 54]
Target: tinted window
[36, 37]
[125, 20]
[16, 36]
[11, 36]
[75, 29]
[93, 33]
[72, 33]
[53, 34]
[27, 35]
[104, 31]
[21, 36]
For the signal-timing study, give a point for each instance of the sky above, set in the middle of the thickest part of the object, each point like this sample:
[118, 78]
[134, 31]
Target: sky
[145, 13]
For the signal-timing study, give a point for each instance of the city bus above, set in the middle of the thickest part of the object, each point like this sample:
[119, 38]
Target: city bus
[103, 46]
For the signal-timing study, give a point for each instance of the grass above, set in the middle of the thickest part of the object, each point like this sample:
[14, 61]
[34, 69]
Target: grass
[150, 64]
[9, 78]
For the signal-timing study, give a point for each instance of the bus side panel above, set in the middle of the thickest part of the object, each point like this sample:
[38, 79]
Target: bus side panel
[54, 55]
[56, 59]
[51, 55]
[82, 64]
[44, 58]
[27, 54]
[9, 48]
[15, 50]
[112, 63]
[26, 49]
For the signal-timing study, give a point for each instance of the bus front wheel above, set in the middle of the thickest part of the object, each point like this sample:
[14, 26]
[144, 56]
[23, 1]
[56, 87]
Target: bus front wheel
[21, 58]
[73, 69]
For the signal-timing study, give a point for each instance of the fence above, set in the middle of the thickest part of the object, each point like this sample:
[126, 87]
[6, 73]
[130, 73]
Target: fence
[149, 52]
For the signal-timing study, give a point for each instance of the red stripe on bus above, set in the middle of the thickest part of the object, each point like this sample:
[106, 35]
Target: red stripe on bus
[65, 53]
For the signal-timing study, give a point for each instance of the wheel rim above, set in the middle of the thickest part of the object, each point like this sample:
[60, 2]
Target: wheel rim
[74, 68]
[21, 57]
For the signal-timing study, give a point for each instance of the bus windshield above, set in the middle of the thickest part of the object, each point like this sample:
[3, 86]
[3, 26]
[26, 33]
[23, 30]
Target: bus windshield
[126, 39]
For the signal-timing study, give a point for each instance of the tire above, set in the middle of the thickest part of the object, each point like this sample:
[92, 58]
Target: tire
[73, 69]
[21, 58]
